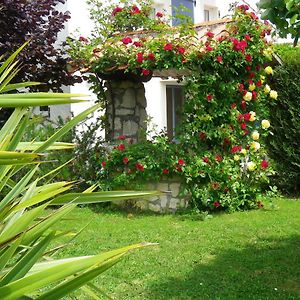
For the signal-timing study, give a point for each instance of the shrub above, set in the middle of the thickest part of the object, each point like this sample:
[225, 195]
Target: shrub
[285, 116]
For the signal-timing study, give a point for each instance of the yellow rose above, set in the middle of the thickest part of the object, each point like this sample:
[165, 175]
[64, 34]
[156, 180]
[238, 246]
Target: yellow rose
[267, 89]
[252, 116]
[244, 151]
[236, 157]
[273, 94]
[255, 146]
[255, 135]
[262, 78]
[269, 70]
[265, 124]
[248, 96]
[251, 166]
[252, 87]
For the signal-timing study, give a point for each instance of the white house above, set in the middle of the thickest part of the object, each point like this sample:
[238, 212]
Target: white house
[162, 95]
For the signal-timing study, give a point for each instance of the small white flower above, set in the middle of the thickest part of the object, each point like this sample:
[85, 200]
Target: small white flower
[265, 124]
[273, 94]
[255, 135]
[248, 96]
[267, 89]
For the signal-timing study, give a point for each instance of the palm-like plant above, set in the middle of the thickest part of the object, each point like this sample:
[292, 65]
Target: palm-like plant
[25, 228]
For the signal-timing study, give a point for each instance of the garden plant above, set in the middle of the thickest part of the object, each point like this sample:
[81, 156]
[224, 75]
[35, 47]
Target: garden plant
[219, 151]
[28, 269]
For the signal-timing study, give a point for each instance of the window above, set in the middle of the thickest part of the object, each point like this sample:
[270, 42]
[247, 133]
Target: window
[189, 4]
[175, 101]
[206, 15]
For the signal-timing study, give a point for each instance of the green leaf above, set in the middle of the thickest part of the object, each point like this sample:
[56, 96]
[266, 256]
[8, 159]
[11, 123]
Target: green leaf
[21, 268]
[33, 146]
[104, 196]
[62, 131]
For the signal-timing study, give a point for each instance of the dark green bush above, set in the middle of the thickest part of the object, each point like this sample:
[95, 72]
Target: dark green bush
[284, 147]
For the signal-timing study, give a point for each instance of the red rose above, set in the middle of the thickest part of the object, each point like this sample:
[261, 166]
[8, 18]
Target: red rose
[254, 95]
[216, 204]
[181, 50]
[233, 105]
[235, 149]
[83, 39]
[226, 141]
[218, 158]
[121, 137]
[210, 34]
[248, 68]
[166, 171]
[146, 72]
[258, 67]
[208, 48]
[240, 118]
[247, 37]
[251, 75]
[116, 10]
[139, 167]
[259, 83]
[219, 59]
[202, 136]
[243, 126]
[159, 14]
[127, 40]
[137, 44]
[205, 159]
[243, 7]
[125, 160]
[248, 57]
[241, 87]
[209, 97]
[135, 10]
[103, 164]
[151, 56]
[168, 47]
[181, 162]
[247, 117]
[121, 147]
[243, 104]
[253, 15]
[140, 57]
[264, 164]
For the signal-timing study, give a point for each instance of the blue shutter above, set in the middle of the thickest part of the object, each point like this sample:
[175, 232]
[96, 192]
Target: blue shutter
[189, 4]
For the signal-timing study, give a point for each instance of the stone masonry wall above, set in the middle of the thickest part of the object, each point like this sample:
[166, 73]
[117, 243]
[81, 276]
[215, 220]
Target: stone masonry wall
[126, 109]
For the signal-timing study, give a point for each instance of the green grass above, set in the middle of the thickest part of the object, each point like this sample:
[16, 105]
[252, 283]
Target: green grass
[245, 255]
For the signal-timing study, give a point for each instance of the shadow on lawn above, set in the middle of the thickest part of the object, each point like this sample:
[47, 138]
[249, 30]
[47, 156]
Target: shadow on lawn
[266, 270]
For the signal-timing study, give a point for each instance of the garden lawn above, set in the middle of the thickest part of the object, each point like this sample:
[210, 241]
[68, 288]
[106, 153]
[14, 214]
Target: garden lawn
[244, 255]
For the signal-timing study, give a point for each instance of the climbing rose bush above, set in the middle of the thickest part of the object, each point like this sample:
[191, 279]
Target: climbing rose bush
[219, 153]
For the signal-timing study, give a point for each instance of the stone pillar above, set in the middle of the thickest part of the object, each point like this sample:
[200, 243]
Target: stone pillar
[126, 109]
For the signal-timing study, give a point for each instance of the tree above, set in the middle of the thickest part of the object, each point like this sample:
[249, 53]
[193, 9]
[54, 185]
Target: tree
[39, 21]
[284, 14]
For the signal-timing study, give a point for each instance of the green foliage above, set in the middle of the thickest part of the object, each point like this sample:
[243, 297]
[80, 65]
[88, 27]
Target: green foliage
[27, 267]
[285, 116]
[284, 14]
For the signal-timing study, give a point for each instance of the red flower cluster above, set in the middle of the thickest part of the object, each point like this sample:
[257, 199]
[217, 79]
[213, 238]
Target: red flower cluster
[127, 40]
[103, 164]
[209, 34]
[168, 47]
[146, 72]
[125, 160]
[219, 59]
[83, 39]
[239, 45]
[181, 162]
[243, 7]
[121, 147]
[140, 57]
[181, 50]
[139, 167]
[264, 164]
[209, 97]
[166, 171]
[216, 204]
[248, 57]
[218, 157]
[235, 149]
[135, 10]
[202, 136]
[151, 56]
[159, 14]
[137, 44]
[122, 138]
[116, 10]
[205, 159]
